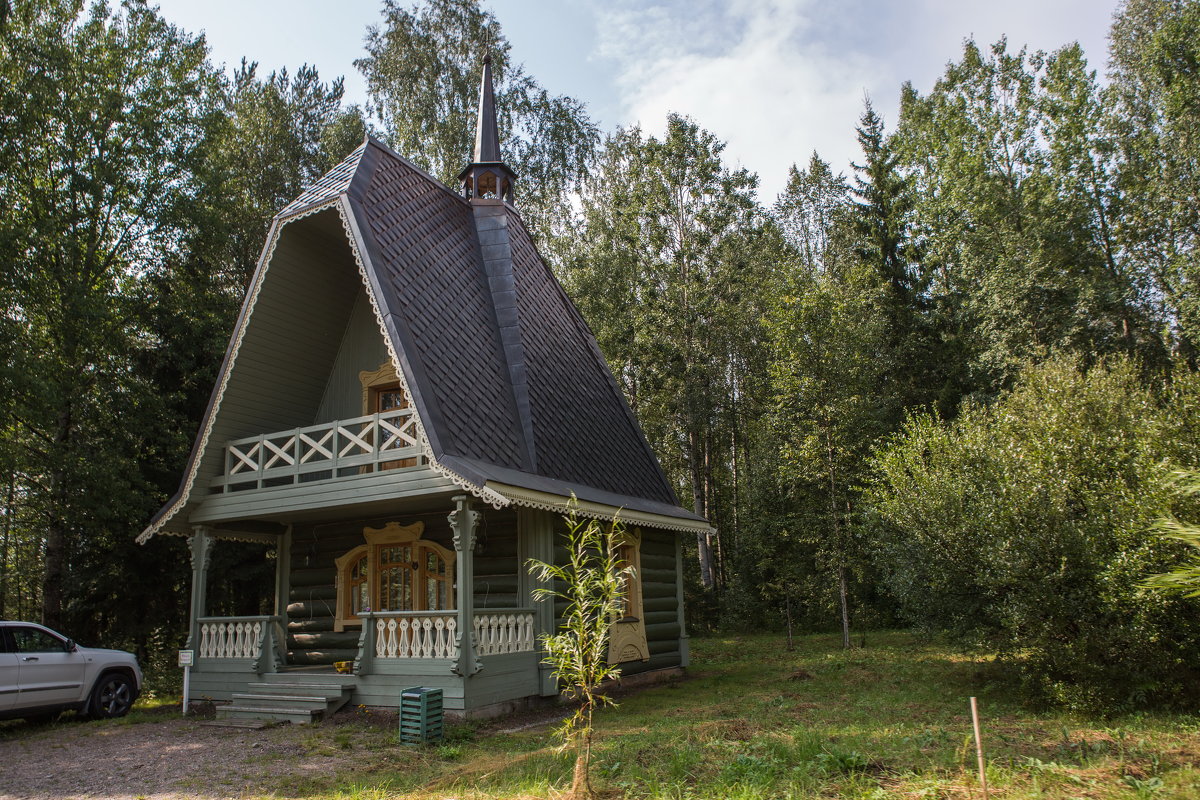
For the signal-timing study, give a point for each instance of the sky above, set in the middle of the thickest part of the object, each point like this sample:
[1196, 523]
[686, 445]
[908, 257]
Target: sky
[774, 79]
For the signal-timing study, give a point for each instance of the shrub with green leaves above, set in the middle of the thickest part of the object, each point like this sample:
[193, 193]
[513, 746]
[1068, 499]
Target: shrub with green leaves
[1023, 527]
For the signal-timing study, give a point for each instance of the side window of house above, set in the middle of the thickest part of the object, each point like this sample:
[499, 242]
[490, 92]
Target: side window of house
[395, 570]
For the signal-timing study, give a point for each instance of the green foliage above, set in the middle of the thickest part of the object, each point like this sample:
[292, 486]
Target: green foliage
[1022, 527]
[1184, 579]
[1155, 126]
[592, 583]
[669, 262]
[97, 147]
[422, 69]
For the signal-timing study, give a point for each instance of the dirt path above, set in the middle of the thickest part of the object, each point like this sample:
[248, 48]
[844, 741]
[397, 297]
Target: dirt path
[172, 758]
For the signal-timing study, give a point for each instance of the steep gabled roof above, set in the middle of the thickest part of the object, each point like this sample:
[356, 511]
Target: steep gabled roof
[505, 375]
[513, 398]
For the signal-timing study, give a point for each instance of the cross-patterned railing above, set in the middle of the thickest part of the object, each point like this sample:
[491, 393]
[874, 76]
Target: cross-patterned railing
[330, 450]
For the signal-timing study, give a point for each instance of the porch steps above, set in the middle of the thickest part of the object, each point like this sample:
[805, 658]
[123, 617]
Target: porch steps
[281, 698]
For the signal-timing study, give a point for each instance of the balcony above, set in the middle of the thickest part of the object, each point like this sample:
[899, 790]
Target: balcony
[336, 449]
[361, 461]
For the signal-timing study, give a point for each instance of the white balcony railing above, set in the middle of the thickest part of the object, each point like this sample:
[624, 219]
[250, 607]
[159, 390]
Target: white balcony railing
[503, 632]
[330, 450]
[416, 635]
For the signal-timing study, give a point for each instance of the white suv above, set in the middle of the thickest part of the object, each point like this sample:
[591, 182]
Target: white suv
[42, 673]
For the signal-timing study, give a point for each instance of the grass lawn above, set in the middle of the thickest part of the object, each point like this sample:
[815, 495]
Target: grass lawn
[890, 720]
[754, 721]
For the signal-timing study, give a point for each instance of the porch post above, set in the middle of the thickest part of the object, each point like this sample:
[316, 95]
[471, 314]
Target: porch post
[283, 573]
[200, 544]
[463, 522]
[535, 539]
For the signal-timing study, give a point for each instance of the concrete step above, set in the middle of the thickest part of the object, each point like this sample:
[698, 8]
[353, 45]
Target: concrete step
[273, 714]
[283, 701]
[329, 692]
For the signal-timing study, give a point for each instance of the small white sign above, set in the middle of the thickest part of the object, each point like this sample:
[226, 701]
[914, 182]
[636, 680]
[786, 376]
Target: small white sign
[185, 657]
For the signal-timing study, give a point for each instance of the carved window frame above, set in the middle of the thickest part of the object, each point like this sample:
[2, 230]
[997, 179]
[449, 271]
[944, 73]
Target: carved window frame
[377, 539]
[627, 634]
[375, 382]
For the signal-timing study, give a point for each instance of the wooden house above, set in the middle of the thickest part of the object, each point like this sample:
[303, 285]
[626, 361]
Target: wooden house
[408, 402]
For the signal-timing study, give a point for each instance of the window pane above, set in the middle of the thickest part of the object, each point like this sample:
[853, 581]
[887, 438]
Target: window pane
[35, 640]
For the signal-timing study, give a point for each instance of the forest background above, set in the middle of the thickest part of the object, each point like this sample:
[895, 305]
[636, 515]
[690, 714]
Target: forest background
[951, 390]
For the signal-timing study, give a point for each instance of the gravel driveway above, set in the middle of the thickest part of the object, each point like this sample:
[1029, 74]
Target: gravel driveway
[171, 758]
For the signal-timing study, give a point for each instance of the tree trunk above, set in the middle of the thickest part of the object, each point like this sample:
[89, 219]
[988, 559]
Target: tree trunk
[837, 539]
[581, 785]
[787, 599]
[845, 607]
[704, 538]
[4, 545]
[54, 571]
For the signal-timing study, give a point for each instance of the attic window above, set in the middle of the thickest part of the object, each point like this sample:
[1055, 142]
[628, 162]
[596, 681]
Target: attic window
[396, 570]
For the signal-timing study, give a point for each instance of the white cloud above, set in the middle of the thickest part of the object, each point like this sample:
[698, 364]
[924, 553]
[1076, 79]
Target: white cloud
[777, 79]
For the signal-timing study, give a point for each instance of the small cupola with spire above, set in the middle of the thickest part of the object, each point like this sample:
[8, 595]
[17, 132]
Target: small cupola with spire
[487, 176]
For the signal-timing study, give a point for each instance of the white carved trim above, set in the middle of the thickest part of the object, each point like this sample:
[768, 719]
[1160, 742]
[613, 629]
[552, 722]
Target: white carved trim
[544, 501]
[482, 492]
[342, 205]
[260, 274]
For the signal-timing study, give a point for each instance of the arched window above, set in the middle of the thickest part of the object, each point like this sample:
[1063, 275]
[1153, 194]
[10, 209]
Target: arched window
[396, 570]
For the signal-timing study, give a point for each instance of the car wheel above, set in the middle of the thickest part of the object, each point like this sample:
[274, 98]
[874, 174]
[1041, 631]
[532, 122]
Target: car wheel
[111, 697]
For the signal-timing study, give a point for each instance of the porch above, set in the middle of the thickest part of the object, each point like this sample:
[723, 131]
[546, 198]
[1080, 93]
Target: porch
[242, 661]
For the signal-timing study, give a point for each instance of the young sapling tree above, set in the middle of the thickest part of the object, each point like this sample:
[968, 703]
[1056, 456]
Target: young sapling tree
[593, 583]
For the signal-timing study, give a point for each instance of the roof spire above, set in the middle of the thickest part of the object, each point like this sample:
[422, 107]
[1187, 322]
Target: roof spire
[487, 176]
[487, 136]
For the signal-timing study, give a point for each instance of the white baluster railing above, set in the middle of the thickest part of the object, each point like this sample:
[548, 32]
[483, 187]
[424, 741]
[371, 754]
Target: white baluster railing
[416, 634]
[504, 632]
[288, 457]
[258, 640]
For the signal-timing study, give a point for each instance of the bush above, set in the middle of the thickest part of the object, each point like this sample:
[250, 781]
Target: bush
[1024, 527]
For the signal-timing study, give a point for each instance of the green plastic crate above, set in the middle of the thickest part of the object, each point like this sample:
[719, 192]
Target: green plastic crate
[420, 715]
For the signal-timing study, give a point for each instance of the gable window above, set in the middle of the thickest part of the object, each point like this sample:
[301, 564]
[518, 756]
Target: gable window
[395, 570]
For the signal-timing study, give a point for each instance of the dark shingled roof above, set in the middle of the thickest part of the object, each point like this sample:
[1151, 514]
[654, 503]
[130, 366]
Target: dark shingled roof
[505, 375]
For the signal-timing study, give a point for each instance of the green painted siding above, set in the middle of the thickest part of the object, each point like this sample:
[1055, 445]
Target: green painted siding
[291, 341]
[362, 349]
[660, 602]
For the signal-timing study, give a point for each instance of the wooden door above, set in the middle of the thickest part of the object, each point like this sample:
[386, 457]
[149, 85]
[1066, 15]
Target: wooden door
[390, 398]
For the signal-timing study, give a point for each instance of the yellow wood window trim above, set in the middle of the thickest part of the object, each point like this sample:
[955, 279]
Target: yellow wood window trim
[373, 380]
[377, 540]
[627, 635]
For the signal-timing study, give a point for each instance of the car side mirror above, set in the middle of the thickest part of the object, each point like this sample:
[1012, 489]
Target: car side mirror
[71, 646]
